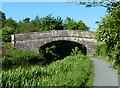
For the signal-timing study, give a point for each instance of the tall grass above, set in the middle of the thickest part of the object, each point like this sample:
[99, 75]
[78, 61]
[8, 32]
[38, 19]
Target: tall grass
[74, 70]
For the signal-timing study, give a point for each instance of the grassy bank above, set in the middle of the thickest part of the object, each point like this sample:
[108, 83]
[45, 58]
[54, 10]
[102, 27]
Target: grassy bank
[74, 70]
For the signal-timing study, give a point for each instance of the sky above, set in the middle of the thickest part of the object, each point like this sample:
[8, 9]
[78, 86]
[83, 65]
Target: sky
[48, 0]
[20, 10]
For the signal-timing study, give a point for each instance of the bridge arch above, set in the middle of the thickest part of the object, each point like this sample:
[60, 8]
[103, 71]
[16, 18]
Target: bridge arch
[57, 50]
[32, 41]
[65, 45]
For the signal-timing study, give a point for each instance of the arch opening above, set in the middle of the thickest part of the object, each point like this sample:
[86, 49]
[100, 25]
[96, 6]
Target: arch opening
[57, 50]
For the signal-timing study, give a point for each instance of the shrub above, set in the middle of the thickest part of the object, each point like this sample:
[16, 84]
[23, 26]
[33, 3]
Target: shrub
[14, 57]
[6, 33]
[101, 50]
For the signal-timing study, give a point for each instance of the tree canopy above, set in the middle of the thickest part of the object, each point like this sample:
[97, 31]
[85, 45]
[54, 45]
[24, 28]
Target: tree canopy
[72, 24]
[2, 19]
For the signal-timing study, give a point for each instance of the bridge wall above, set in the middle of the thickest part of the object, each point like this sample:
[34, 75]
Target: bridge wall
[33, 41]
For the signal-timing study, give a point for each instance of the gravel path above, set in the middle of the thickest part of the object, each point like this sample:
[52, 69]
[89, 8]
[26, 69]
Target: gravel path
[105, 75]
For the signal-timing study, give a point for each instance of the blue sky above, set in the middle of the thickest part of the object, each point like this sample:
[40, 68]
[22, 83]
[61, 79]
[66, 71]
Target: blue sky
[20, 10]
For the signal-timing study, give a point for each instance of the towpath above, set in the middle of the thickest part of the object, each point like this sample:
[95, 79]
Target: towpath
[105, 75]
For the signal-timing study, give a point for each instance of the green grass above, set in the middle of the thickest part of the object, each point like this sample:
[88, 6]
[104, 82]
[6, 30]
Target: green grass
[74, 70]
[12, 57]
[99, 57]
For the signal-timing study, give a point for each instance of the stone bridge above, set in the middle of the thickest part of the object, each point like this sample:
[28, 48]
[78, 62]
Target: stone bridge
[34, 40]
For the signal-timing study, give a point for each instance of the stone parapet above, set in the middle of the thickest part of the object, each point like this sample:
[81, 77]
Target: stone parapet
[54, 33]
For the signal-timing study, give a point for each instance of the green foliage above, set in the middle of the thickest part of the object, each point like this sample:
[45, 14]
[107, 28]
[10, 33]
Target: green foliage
[36, 24]
[3, 15]
[70, 24]
[109, 4]
[10, 23]
[25, 27]
[82, 26]
[13, 57]
[2, 19]
[113, 6]
[26, 20]
[6, 33]
[75, 70]
[109, 34]
[101, 50]
[0, 35]
[76, 51]
[51, 23]
[39, 24]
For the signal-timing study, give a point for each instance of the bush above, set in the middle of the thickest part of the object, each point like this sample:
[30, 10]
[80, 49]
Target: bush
[101, 50]
[74, 70]
[6, 34]
[14, 57]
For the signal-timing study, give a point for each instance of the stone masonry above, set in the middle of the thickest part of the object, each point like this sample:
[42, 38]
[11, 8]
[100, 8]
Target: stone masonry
[34, 40]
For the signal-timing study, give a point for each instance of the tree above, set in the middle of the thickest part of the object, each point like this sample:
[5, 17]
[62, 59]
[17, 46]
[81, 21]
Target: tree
[3, 15]
[37, 24]
[70, 24]
[109, 33]
[10, 23]
[51, 23]
[2, 19]
[37, 19]
[6, 33]
[26, 20]
[25, 27]
[93, 3]
[82, 26]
